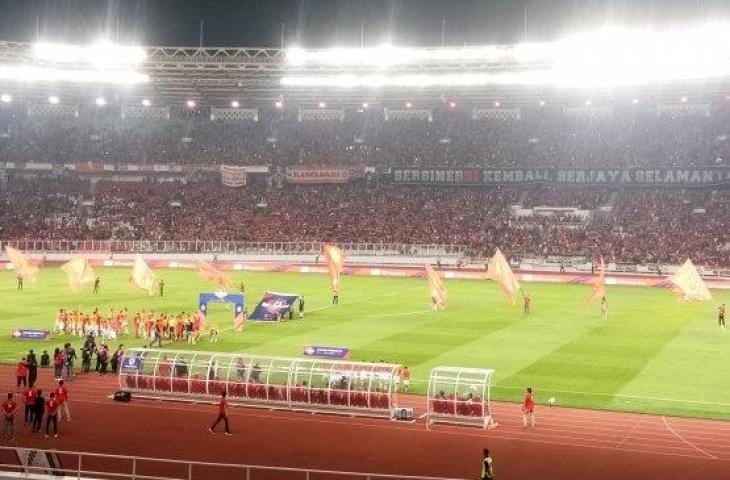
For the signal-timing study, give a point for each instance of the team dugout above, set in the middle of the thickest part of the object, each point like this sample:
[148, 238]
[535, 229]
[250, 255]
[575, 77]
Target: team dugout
[356, 388]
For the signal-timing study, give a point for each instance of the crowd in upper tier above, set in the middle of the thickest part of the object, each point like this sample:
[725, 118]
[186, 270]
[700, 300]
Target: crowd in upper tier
[636, 137]
[638, 226]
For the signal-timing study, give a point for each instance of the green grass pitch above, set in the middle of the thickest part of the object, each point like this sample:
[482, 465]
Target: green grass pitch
[653, 354]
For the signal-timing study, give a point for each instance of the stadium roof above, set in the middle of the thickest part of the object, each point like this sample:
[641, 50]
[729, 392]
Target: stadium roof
[216, 76]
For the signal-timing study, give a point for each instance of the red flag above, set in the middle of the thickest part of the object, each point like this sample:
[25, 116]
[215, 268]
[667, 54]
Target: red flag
[142, 276]
[79, 272]
[24, 269]
[599, 284]
[335, 261]
[212, 274]
[436, 287]
[500, 271]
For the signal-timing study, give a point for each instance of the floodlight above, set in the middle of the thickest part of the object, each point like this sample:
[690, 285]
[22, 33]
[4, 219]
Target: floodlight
[497, 104]
[321, 104]
[235, 104]
[53, 100]
[190, 103]
[542, 103]
[5, 98]
[452, 104]
[278, 104]
[30, 73]
[100, 54]
[635, 101]
[409, 104]
[589, 102]
[100, 102]
[365, 105]
[683, 99]
[146, 103]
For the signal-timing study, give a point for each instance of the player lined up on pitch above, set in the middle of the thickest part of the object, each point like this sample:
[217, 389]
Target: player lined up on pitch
[180, 327]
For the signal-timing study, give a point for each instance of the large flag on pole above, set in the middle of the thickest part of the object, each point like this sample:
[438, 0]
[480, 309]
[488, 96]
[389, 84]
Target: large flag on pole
[335, 261]
[142, 276]
[436, 287]
[79, 272]
[212, 274]
[688, 283]
[599, 284]
[23, 268]
[500, 271]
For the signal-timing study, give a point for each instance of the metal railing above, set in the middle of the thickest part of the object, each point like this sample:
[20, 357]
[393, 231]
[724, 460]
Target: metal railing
[229, 247]
[84, 465]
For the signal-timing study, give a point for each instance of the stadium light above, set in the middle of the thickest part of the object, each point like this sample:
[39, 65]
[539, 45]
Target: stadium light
[497, 104]
[600, 59]
[386, 56]
[279, 104]
[28, 73]
[683, 99]
[409, 104]
[365, 105]
[53, 100]
[146, 103]
[542, 103]
[635, 101]
[452, 104]
[235, 104]
[589, 102]
[190, 103]
[5, 98]
[100, 102]
[321, 104]
[100, 54]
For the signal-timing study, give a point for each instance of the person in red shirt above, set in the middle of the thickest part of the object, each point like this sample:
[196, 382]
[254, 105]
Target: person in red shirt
[222, 415]
[29, 402]
[62, 398]
[21, 371]
[52, 407]
[528, 409]
[9, 408]
[406, 379]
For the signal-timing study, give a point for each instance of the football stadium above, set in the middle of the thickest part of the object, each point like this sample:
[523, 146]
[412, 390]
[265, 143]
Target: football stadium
[365, 240]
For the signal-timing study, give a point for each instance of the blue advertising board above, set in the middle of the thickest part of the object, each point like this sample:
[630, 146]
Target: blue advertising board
[273, 306]
[341, 353]
[132, 363]
[29, 334]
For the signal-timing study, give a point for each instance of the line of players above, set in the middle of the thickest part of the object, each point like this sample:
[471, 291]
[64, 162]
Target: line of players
[147, 325]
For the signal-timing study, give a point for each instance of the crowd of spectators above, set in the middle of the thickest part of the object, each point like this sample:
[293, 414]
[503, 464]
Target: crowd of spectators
[540, 138]
[639, 226]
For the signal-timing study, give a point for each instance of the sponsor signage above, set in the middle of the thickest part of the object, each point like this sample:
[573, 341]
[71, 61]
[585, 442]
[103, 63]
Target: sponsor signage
[28, 334]
[132, 363]
[326, 352]
[684, 177]
[317, 175]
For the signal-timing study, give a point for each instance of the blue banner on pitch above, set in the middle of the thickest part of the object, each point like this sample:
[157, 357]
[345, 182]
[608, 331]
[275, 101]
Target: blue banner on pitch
[327, 352]
[26, 334]
[274, 306]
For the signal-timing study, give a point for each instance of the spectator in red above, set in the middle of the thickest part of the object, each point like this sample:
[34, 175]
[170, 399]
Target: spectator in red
[222, 415]
[29, 396]
[9, 408]
[21, 371]
[52, 407]
[61, 393]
